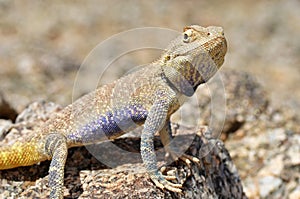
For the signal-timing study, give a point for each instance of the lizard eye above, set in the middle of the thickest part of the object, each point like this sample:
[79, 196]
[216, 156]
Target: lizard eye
[187, 36]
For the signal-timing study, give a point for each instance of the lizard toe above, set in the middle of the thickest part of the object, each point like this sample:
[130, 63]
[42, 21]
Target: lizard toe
[188, 159]
[162, 182]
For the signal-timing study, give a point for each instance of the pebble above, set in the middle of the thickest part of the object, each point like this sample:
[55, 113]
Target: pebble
[268, 184]
[273, 167]
[295, 194]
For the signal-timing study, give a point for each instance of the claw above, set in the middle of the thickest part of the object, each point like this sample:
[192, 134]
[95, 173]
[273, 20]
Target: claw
[158, 184]
[171, 175]
[188, 159]
[162, 182]
[170, 188]
[163, 169]
[173, 184]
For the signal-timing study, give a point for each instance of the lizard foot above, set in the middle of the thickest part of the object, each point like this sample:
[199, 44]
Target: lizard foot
[162, 182]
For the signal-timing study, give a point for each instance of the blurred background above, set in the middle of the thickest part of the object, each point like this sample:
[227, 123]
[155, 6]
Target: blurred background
[43, 44]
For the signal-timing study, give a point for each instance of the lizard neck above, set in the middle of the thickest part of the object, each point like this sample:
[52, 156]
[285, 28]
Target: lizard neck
[183, 76]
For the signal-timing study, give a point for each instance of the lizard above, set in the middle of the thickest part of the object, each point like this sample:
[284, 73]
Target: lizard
[148, 96]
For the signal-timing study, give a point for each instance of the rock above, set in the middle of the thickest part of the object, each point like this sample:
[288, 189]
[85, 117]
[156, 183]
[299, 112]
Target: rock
[27, 121]
[86, 176]
[268, 184]
[225, 104]
[293, 152]
[4, 127]
[6, 111]
[295, 193]
[38, 111]
[266, 146]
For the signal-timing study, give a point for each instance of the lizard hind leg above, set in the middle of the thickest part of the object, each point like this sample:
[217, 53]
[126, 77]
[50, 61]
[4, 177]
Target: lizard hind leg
[56, 147]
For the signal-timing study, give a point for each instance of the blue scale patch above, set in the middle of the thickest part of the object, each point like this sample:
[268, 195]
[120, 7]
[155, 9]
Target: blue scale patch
[111, 125]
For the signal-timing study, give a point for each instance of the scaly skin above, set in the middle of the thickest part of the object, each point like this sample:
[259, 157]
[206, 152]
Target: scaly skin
[148, 96]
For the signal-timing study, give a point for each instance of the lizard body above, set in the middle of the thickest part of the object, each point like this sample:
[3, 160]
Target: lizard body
[148, 96]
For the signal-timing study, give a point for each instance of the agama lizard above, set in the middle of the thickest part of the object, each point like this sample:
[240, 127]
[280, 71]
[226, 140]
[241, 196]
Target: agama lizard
[147, 96]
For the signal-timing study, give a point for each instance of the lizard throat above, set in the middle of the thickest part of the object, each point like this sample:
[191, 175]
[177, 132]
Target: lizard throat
[184, 79]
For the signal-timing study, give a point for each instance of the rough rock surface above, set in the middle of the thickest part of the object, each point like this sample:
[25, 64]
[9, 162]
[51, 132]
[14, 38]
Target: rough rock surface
[43, 44]
[86, 177]
[265, 150]
[7, 112]
[262, 137]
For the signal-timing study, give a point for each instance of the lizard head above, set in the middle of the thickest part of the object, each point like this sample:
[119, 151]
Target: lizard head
[194, 57]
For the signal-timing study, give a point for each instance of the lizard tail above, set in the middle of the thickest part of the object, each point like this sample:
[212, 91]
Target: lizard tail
[20, 154]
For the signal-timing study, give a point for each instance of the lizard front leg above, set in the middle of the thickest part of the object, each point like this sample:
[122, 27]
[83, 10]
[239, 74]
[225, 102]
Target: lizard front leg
[154, 123]
[56, 147]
